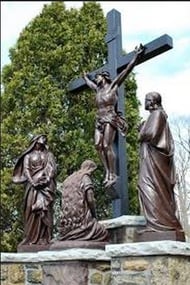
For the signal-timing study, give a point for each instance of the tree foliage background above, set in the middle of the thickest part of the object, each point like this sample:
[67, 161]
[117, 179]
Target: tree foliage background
[53, 49]
[181, 132]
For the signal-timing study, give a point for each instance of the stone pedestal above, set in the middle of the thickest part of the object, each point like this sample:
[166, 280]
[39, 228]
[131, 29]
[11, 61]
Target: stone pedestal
[123, 261]
[78, 266]
[124, 228]
[154, 263]
[140, 263]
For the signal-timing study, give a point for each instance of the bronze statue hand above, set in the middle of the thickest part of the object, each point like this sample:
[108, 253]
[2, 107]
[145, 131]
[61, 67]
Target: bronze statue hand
[139, 127]
[139, 50]
[85, 74]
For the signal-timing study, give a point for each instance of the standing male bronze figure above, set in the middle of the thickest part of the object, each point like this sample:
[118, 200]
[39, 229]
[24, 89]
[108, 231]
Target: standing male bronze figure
[157, 170]
[108, 120]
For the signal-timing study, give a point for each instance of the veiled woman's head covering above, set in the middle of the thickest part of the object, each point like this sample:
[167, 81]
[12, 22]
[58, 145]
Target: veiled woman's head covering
[18, 175]
[39, 138]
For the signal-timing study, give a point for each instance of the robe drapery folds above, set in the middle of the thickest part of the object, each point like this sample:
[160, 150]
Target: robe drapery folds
[77, 221]
[157, 173]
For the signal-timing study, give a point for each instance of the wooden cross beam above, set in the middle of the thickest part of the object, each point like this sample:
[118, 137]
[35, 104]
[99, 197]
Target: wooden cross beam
[152, 49]
[116, 62]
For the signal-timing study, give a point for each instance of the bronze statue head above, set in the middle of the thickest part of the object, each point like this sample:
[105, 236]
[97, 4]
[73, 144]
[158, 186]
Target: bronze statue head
[153, 101]
[105, 75]
[39, 142]
[89, 165]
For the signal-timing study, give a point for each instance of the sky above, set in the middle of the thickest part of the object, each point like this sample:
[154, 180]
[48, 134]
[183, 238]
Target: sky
[142, 22]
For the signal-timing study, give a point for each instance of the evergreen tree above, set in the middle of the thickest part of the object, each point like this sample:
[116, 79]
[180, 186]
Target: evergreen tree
[52, 50]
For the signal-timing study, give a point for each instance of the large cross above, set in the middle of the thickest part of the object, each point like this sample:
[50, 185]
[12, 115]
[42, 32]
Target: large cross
[116, 62]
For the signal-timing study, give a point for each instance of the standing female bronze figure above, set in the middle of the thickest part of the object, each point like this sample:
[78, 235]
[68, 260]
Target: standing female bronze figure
[36, 168]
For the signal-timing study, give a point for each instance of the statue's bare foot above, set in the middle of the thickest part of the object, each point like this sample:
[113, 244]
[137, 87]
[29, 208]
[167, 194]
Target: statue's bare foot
[111, 181]
[106, 180]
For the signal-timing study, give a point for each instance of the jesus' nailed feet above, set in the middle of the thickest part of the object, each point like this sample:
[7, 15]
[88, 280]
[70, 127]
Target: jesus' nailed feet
[111, 187]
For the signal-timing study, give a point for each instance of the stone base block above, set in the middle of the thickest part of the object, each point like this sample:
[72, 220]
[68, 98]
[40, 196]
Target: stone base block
[147, 235]
[150, 263]
[123, 229]
[32, 247]
[60, 245]
[71, 272]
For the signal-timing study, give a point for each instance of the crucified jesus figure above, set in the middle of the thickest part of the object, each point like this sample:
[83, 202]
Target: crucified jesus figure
[108, 120]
